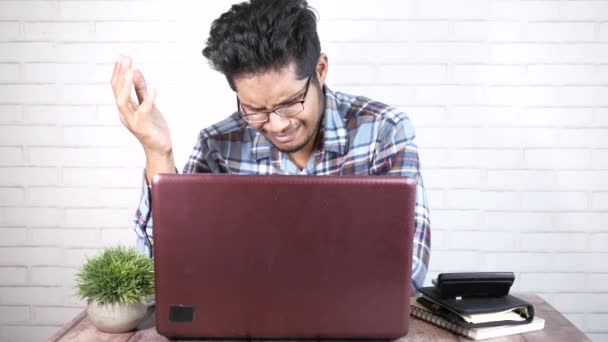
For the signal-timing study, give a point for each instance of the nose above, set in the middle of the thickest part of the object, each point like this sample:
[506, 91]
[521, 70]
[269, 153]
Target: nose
[276, 123]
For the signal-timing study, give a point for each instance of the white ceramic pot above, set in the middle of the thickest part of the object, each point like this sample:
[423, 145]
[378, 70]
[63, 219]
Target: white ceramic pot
[116, 317]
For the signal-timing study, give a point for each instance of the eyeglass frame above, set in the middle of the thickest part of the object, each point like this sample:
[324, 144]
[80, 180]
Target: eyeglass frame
[243, 115]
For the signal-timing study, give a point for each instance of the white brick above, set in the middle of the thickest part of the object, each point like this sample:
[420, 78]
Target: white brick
[580, 221]
[52, 276]
[9, 30]
[11, 156]
[55, 94]
[420, 31]
[437, 241]
[535, 53]
[583, 180]
[520, 262]
[505, 220]
[105, 218]
[548, 10]
[538, 282]
[87, 156]
[120, 197]
[455, 261]
[547, 96]
[168, 31]
[13, 236]
[98, 136]
[488, 74]
[578, 320]
[27, 333]
[549, 242]
[450, 95]
[348, 30]
[76, 257]
[20, 176]
[11, 196]
[33, 217]
[59, 31]
[59, 197]
[28, 135]
[412, 74]
[598, 282]
[361, 9]
[455, 219]
[553, 200]
[392, 95]
[601, 115]
[520, 137]
[54, 315]
[600, 201]
[18, 52]
[463, 199]
[521, 180]
[30, 10]
[459, 137]
[64, 115]
[9, 73]
[599, 242]
[13, 276]
[435, 198]
[580, 302]
[31, 296]
[483, 158]
[583, 137]
[560, 32]
[600, 158]
[113, 237]
[101, 177]
[452, 178]
[556, 158]
[30, 256]
[348, 74]
[426, 116]
[583, 10]
[581, 262]
[59, 73]
[487, 31]
[597, 322]
[501, 200]
[440, 9]
[563, 75]
[10, 113]
[14, 314]
[65, 237]
[481, 241]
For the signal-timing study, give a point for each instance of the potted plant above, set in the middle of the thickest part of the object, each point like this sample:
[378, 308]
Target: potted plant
[116, 284]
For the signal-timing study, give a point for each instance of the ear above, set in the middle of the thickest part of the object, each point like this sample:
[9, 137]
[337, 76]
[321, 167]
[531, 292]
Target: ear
[322, 66]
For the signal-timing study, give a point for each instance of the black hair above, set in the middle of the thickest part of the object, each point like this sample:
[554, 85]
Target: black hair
[262, 35]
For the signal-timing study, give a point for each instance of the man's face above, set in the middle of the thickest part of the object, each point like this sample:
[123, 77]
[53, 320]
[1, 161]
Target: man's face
[280, 89]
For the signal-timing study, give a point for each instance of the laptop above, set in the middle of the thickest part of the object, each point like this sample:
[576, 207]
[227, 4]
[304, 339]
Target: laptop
[321, 257]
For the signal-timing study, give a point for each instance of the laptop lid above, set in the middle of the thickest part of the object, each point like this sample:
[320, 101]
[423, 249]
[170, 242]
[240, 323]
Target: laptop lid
[282, 256]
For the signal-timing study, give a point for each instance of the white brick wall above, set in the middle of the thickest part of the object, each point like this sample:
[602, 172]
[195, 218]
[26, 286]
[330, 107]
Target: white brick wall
[509, 99]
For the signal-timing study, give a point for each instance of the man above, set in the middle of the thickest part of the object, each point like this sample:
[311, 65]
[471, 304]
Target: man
[287, 120]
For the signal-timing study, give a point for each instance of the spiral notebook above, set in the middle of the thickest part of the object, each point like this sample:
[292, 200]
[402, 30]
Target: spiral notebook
[419, 311]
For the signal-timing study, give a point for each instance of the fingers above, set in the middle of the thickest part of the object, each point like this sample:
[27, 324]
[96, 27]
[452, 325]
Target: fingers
[148, 101]
[141, 87]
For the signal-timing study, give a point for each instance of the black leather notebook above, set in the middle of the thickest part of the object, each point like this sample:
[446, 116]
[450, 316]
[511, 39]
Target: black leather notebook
[478, 311]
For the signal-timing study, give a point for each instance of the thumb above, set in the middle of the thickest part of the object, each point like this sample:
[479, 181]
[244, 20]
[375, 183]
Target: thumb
[140, 85]
[148, 101]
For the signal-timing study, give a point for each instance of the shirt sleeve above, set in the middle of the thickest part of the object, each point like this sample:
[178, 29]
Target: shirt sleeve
[142, 222]
[396, 154]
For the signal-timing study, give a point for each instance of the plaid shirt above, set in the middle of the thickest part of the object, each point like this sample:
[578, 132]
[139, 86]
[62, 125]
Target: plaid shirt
[358, 137]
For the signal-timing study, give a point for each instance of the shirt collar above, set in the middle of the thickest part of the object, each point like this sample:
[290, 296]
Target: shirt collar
[333, 130]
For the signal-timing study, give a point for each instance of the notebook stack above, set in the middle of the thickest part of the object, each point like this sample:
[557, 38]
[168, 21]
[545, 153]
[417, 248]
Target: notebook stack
[475, 305]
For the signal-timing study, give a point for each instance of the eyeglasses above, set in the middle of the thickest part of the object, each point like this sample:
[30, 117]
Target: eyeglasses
[285, 111]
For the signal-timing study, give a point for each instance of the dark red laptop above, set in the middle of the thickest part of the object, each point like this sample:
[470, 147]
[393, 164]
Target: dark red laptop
[282, 256]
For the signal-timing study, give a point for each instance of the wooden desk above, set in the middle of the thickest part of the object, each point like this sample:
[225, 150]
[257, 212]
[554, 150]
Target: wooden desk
[557, 328]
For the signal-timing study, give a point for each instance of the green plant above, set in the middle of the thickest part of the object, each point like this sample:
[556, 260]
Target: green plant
[117, 274]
